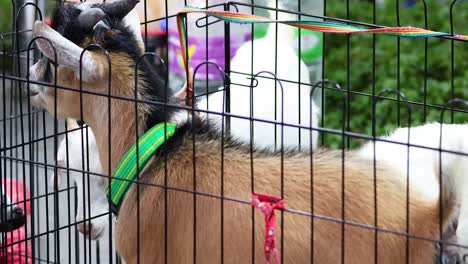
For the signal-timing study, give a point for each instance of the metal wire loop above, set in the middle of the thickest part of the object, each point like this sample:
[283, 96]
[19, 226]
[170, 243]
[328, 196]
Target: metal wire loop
[205, 18]
[38, 10]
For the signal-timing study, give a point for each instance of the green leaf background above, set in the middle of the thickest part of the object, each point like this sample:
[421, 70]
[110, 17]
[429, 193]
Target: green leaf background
[409, 63]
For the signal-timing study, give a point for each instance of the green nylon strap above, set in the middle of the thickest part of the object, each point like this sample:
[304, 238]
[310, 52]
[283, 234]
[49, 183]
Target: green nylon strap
[126, 170]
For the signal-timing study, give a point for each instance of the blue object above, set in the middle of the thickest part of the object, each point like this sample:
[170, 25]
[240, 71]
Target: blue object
[163, 24]
[410, 3]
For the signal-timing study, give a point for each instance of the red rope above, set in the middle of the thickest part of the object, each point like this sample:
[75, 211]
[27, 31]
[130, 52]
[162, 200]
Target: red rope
[267, 204]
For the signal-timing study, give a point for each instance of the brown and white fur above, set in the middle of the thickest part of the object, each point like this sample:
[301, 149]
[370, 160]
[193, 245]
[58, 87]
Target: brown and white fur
[438, 159]
[193, 226]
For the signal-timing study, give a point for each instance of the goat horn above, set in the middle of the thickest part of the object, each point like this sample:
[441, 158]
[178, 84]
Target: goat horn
[119, 9]
[89, 17]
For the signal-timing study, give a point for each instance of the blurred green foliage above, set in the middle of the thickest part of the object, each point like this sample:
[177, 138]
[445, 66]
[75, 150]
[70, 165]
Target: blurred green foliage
[5, 15]
[397, 66]
[6, 28]
[6, 23]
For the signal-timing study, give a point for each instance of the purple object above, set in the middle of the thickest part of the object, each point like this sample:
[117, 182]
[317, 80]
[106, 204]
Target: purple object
[197, 53]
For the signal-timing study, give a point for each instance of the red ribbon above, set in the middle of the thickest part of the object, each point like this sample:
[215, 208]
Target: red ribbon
[267, 204]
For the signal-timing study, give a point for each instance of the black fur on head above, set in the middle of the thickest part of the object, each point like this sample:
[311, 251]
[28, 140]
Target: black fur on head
[78, 23]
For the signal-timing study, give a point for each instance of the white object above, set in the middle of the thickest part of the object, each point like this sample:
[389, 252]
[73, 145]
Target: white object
[424, 164]
[297, 100]
[96, 193]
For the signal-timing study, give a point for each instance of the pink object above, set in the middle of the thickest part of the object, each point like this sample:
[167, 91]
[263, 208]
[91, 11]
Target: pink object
[18, 252]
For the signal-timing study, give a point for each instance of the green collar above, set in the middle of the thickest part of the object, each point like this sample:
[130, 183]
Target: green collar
[126, 170]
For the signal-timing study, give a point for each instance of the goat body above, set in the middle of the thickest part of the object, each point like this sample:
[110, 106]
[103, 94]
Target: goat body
[187, 219]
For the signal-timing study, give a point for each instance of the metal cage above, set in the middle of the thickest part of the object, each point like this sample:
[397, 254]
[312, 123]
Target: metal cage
[342, 82]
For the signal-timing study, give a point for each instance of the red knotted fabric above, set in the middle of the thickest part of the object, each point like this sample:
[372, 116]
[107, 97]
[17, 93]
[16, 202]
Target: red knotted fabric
[267, 204]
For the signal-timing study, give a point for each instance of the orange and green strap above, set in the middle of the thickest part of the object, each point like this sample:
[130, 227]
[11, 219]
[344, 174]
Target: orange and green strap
[126, 171]
[320, 26]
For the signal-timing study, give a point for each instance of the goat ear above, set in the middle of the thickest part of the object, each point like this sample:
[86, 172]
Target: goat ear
[67, 53]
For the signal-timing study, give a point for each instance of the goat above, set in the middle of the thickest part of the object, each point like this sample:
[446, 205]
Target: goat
[166, 223]
[89, 187]
[291, 99]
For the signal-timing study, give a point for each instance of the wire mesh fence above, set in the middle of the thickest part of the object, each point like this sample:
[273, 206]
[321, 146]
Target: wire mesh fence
[278, 115]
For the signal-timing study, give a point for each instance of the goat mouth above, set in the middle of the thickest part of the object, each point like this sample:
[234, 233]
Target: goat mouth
[33, 93]
[35, 99]
[94, 235]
